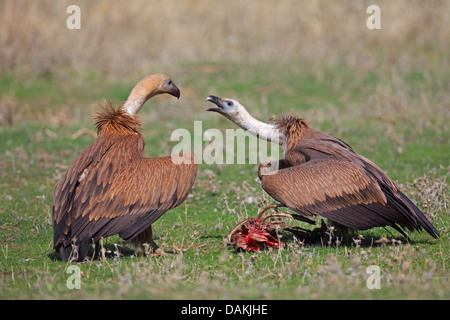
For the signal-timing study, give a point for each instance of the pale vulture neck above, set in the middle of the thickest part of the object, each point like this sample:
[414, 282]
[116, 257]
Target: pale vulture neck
[258, 128]
[132, 106]
[144, 90]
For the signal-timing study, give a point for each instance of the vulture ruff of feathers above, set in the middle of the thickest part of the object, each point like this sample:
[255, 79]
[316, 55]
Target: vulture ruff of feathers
[111, 188]
[322, 175]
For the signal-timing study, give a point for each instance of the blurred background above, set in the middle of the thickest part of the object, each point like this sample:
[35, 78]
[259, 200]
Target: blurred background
[383, 90]
[386, 92]
[124, 37]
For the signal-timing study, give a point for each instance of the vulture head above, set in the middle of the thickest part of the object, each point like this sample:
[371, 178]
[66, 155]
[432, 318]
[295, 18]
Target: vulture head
[237, 113]
[229, 108]
[148, 87]
[164, 85]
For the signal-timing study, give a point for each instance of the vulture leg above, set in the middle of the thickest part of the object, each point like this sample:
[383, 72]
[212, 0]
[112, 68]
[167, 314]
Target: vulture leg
[144, 239]
[77, 251]
[336, 232]
[66, 253]
[97, 250]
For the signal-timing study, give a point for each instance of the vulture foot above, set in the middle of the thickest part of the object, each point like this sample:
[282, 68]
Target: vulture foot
[159, 253]
[155, 250]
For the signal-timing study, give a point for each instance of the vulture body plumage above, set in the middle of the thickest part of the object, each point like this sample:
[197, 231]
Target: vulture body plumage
[322, 175]
[111, 188]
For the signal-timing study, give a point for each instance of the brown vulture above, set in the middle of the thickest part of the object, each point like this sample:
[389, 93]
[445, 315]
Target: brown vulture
[322, 175]
[111, 188]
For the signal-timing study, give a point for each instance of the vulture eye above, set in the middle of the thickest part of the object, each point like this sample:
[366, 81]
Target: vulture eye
[229, 103]
[169, 82]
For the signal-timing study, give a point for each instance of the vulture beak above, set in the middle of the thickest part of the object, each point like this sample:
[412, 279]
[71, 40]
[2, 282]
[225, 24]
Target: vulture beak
[217, 101]
[175, 92]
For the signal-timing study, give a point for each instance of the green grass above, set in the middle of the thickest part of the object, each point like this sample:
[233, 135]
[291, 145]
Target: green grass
[401, 123]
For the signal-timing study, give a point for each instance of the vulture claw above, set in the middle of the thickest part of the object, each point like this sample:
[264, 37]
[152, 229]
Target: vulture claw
[160, 253]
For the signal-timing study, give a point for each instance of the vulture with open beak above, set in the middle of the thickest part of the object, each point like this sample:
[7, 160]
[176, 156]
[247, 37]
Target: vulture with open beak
[111, 188]
[322, 175]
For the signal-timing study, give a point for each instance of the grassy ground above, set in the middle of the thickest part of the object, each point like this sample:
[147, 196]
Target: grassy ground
[398, 118]
[385, 92]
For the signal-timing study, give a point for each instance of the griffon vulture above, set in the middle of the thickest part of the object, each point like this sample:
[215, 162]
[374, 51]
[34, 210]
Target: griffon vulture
[111, 188]
[322, 175]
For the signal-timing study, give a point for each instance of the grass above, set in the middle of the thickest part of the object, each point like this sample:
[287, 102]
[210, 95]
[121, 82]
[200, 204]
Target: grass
[384, 92]
[399, 119]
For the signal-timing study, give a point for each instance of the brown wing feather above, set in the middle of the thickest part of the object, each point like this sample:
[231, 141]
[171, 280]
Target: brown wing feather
[110, 188]
[67, 188]
[319, 186]
[328, 178]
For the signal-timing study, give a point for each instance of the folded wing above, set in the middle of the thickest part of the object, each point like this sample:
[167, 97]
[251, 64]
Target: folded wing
[102, 195]
[338, 184]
